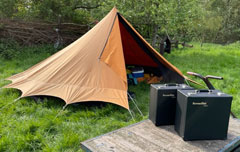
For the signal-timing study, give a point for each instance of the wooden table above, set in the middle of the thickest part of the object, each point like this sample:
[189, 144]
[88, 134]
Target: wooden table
[146, 137]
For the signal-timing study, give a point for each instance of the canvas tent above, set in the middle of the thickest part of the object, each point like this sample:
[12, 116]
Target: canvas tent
[93, 68]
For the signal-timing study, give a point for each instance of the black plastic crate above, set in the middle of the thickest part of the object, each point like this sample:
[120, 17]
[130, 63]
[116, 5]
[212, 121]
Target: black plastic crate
[202, 114]
[163, 103]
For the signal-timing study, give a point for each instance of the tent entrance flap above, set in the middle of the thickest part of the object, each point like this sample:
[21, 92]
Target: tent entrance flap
[136, 52]
[133, 52]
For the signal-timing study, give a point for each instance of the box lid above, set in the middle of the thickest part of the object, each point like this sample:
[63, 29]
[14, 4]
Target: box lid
[137, 69]
[171, 86]
[135, 72]
[204, 93]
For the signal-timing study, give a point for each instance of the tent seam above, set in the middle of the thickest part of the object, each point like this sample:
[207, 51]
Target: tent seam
[114, 72]
[107, 37]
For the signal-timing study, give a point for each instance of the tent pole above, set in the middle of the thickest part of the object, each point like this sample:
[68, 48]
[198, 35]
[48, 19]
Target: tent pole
[135, 104]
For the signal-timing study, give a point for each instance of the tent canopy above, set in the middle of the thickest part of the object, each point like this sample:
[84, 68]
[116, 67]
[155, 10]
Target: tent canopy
[93, 68]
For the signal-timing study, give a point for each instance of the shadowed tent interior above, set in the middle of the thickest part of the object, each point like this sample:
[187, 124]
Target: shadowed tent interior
[93, 68]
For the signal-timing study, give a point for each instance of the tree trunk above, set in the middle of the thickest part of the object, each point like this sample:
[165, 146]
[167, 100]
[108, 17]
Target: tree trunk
[154, 35]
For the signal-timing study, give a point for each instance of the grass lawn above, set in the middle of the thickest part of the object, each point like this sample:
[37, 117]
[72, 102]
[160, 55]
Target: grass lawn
[27, 125]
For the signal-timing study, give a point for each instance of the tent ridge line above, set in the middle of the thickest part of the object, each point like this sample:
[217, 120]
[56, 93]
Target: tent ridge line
[108, 37]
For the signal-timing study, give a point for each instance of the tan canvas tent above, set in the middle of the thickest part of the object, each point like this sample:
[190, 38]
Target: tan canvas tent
[93, 68]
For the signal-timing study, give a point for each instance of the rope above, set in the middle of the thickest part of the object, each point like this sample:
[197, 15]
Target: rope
[10, 103]
[131, 114]
[135, 104]
[58, 115]
[60, 111]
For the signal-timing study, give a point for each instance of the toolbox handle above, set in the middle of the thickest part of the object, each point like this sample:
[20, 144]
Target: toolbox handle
[203, 90]
[171, 84]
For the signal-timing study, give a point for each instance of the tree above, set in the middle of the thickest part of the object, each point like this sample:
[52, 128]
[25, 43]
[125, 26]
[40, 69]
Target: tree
[185, 20]
[156, 17]
[7, 8]
[49, 10]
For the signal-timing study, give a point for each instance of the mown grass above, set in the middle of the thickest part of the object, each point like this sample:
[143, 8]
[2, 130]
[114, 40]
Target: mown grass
[27, 125]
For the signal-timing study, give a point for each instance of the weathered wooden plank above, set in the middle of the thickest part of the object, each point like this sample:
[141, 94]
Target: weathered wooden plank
[145, 136]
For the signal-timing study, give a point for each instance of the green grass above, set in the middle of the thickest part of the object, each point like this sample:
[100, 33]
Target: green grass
[27, 125]
[216, 60]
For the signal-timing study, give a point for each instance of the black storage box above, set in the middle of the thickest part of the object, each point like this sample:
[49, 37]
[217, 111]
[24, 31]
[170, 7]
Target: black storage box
[163, 103]
[202, 114]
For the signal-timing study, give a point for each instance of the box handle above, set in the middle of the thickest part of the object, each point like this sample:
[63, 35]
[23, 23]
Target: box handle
[171, 84]
[203, 90]
[199, 91]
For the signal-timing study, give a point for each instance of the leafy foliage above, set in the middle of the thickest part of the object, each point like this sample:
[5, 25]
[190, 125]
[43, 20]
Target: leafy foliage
[219, 21]
[8, 49]
[172, 17]
[48, 10]
[7, 8]
[185, 20]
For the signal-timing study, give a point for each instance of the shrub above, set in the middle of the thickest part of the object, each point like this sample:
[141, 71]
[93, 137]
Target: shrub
[8, 49]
